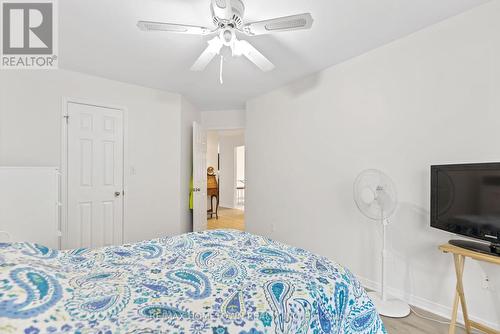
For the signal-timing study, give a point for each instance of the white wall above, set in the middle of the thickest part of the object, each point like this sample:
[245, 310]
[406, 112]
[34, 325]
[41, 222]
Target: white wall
[223, 119]
[433, 97]
[228, 141]
[30, 135]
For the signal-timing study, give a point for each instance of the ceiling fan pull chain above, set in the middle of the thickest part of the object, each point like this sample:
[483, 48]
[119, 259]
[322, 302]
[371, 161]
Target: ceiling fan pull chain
[221, 66]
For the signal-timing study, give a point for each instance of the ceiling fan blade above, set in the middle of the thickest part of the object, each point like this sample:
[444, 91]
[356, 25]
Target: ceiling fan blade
[213, 49]
[287, 23]
[243, 48]
[223, 9]
[172, 27]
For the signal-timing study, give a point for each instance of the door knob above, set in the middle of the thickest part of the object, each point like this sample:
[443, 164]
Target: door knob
[118, 193]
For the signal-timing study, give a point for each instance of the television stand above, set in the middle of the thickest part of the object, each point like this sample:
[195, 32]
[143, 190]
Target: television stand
[492, 249]
[459, 255]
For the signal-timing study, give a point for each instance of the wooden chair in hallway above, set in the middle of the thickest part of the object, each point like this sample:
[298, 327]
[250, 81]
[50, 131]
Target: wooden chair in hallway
[213, 192]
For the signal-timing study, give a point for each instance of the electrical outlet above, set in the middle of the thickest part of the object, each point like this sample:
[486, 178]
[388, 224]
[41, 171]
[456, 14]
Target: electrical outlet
[486, 282]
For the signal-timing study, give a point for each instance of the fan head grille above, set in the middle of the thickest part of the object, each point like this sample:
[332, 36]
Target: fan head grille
[375, 194]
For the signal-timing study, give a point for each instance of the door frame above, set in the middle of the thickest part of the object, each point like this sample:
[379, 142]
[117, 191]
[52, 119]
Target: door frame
[198, 129]
[64, 163]
[235, 178]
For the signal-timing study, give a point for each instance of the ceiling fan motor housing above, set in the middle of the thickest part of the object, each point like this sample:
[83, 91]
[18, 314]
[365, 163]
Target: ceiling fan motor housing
[220, 16]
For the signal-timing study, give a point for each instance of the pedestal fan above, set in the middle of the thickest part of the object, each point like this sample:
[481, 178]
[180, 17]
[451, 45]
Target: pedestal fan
[375, 195]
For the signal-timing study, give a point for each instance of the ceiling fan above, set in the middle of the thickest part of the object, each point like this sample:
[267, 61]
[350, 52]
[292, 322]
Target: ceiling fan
[228, 19]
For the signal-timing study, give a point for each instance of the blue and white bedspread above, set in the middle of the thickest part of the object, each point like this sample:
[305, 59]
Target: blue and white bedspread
[209, 282]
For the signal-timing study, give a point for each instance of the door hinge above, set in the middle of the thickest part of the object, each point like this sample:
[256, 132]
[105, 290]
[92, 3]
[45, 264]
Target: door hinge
[67, 118]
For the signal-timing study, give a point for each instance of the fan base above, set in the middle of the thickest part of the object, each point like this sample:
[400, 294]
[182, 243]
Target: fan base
[392, 308]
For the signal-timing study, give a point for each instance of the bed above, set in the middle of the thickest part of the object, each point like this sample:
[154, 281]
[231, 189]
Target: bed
[218, 282]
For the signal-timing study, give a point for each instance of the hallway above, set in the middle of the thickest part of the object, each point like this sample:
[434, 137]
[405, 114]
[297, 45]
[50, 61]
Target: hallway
[228, 219]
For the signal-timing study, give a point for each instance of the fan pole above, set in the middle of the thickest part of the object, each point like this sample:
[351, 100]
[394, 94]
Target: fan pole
[382, 197]
[383, 290]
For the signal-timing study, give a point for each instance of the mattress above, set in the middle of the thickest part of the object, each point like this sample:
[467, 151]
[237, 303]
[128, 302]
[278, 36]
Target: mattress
[220, 282]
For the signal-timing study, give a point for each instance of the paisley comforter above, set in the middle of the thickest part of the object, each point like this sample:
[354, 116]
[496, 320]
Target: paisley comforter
[210, 282]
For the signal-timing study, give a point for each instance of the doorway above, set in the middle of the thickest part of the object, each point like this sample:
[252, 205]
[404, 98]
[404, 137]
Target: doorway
[93, 175]
[240, 181]
[226, 156]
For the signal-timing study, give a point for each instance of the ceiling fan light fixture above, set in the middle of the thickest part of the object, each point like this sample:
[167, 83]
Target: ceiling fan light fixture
[228, 36]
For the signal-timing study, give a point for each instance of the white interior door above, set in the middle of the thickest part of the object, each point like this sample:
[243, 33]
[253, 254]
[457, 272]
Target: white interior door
[199, 177]
[94, 176]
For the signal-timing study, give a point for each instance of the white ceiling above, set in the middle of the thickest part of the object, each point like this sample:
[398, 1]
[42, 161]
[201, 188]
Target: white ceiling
[100, 37]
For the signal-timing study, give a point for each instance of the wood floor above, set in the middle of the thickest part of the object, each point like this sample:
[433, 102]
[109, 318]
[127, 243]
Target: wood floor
[235, 219]
[416, 325]
[228, 218]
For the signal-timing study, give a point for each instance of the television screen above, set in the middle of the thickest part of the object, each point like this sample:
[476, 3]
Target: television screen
[465, 199]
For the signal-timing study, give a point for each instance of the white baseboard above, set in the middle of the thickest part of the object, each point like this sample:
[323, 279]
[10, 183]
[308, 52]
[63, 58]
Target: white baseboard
[226, 205]
[424, 304]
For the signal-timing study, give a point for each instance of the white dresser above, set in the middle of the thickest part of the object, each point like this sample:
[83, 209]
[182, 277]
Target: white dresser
[29, 205]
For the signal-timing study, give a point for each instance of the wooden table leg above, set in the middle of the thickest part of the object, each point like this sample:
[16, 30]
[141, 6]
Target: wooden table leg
[217, 207]
[459, 255]
[454, 313]
[459, 270]
[211, 207]
[453, 323]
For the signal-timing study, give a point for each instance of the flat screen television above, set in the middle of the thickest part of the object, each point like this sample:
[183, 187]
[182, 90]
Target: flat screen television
[465, 200]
